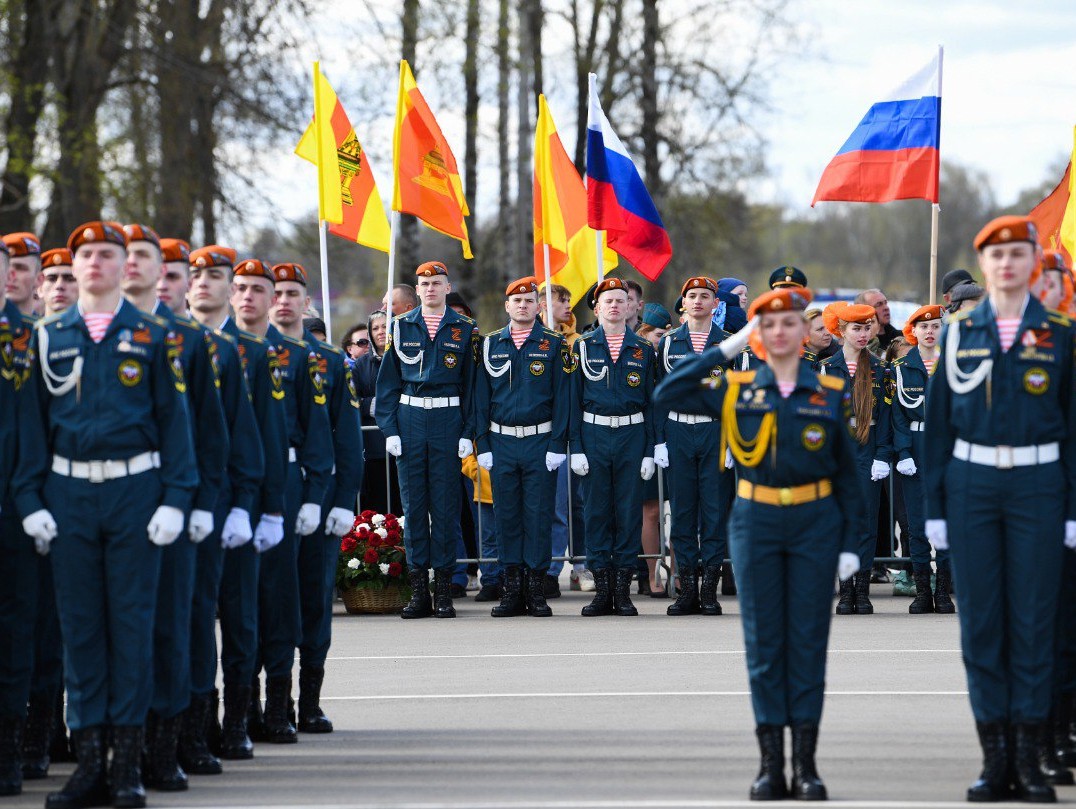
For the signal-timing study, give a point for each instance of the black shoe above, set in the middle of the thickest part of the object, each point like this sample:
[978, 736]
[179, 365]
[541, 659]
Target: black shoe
[61, 750]
[708, 603]
[687, 603]
[806, 785]
[125, 772]
[728, 579]
[993, 783]
[535, 594]
[11, 755]
[213, 729]
[846, 603]
[420, 605]
[87, 785]
[489, 592]
[644, 588]
[863, 589]
[278, 726]
[312, 718]
[457, 591]
[770, 783]
[603, 594]
[235, 744]
[1031, 784]
[943, 582]
[513, 600]
[442, 594]
[35, 738]
[193, 751]
[1052, 769]
[162, 764]
[551, 587]
[924, 599]
[879, 575]
[622, 592]
[1064, 748]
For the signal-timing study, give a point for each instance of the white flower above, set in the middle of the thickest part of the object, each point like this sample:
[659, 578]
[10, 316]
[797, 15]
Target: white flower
[378, 519]
[384, 568]
[353, 564]
[401, 521]
[362, 525]
[381, 532]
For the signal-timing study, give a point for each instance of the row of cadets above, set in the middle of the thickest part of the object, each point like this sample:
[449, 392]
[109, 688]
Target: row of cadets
[521, 419]
[319, 549]
[424, 408]
[106, 461]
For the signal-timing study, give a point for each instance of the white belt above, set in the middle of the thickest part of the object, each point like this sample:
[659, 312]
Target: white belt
[917, 426]
[689, 418]
[852, 422]
[100, 471]
[612, 421]
[430, 402]
[521, 432]
[1006, 457]
[293, 456]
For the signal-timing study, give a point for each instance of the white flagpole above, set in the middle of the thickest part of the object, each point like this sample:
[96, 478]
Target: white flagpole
[550, 321]
[393, 223]
[326, 315]
[935, 209]
[600, 253]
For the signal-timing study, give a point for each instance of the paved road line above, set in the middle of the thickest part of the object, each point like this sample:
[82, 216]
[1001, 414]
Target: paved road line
[591, 694]
[610, 804]
[623, 654]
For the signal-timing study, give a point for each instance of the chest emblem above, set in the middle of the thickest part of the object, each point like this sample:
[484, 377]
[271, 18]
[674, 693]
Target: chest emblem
[634, 379]
[129, 373]
[637, 353]
[543, 346]
[1036, 381]
[457, 334]
[813, 437]
[451, 360]
[537, 367]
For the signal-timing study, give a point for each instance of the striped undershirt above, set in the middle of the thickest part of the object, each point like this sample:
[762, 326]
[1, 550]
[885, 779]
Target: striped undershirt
[97, 323]
[1007, 328]
[929, 364]
[852, 369]
[520, 337]
[433, 323]
[614, 341]
[698, 340]
[786, 388]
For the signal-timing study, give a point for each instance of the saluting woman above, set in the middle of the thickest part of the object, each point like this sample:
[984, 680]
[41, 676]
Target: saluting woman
[794, 521]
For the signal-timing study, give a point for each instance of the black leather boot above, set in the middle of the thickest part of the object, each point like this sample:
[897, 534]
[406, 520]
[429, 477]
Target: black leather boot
[1064, 748]
[622, 592]
[993, 783]
[728, 579]
[235, 744]
[212, 730]
[770, 783]
[35, 738]
[846, 603]
[1054, 771]
[162, 764]
[193, 752]
[442, 594]
[1031, 784]
[687, 603]
[11, 755]
[943, 582]
[602, 604]
[125, 772]
[420, 605]
[278, 726]
[255, 716]
[708, 603]
[924, 599]
[60, 747]
[806, 785]
[311, 718]
[534, 590]
[863, 589]
[87, 785]
[512, 599]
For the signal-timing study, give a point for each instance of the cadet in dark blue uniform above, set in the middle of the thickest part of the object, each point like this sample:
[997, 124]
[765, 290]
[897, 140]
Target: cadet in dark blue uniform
[521, 420]
[106, 413]
[871, 398]
[424, 409]
[1000, 466]
[794, 522]
[611, 436]
[319, 550]
[910, 375]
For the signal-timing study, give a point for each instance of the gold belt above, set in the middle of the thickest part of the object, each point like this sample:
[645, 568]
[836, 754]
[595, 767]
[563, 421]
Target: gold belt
[786, 496]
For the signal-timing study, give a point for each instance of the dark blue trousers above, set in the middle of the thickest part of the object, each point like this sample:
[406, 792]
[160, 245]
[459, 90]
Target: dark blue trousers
[523, 497]
[48, 642]
[19, 580]
[172, 628]
[694, 476]
[279, 621]
[318, 554]
[613, 494]
[208, 572]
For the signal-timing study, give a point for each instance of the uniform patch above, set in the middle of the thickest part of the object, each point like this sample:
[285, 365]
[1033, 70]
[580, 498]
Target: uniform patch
[1036, 381]
[130, 373]
[451, 360]
[276, 374]
[813, 437]
[543, 346]
[316, 377]
[716, 372]
[537, 367]
[634, 379]
[637, 353]
[457, 334]
[568, 359]
[175, 363]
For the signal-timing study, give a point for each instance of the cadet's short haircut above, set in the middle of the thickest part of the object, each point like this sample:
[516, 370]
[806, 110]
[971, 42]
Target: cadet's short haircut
[409, 293]
[635, 287]
[561, 293]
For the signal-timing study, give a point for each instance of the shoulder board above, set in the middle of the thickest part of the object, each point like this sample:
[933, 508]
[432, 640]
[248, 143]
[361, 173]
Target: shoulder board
[152, 318]
[740, 377]
[551, 333]
[828, 360]
[224, 336]
[1060, 318]
[493, 333]
[47, 321]
[323, 346]
[466, 319]
[587, 335]
[899, 361]
[186, 320]
[831, 382]
[29, 320]
[253, 338]
[293, 341]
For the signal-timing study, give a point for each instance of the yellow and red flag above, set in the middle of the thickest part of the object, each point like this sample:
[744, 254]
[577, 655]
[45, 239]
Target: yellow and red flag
[560, 214]
[347, 194]
[427, 183]
[1055, 216]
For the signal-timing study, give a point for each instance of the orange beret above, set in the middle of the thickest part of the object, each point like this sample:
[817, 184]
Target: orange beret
[142, 233]
[782, 299]
[1051, 260]
[1006, 229]
[431, 268]
[289, 272]
[22, 244]
[175, 250]
[698, 282]
[607, 284]
[99, 231]
[923, 313]
[60, 257]
[842, 312]
[521, 286]
[255, 268]
[212, 255]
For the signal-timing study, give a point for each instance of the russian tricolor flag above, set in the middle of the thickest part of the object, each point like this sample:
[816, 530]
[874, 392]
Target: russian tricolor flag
[617, 200]
[894, 152]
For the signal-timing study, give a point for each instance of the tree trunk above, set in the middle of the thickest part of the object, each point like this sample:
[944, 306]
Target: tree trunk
[470, 139]
[649, 98]
[504, 155]
[408, 248]
[584, 65]
[524, 204]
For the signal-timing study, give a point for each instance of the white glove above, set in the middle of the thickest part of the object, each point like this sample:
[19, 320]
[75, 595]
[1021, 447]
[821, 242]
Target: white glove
[1070, 533]
[199, 525]
[732, 346]
[661, 455]
[553, 460]
[308, 520]
[729, 462]
[339, 521]
[847, 565]
[466, 447]
[165, 525]
[393, 446]
[648, 469]
[42, 528]
[485, 460]
[906, 467]
[938, 533]
[579, 464]
[373, 406]
[269, 533]
[879, 471]
[236, 530]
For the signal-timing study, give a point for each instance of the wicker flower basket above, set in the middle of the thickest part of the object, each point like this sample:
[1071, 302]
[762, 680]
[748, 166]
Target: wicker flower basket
[368, 601]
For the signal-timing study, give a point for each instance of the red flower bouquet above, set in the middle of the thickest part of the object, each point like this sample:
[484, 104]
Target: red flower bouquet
[372, 554]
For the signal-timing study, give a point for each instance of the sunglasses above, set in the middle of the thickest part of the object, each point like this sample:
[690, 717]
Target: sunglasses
[362, 341]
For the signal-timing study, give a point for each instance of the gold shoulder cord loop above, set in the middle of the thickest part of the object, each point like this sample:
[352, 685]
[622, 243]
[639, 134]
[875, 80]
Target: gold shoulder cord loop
[747, 453]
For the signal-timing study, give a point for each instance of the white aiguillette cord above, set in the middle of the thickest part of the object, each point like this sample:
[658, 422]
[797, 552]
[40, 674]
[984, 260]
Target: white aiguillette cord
[493, 370]
[584, 363]
[902, 397]
[399, 348]
[56, 384]
[962, 381]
